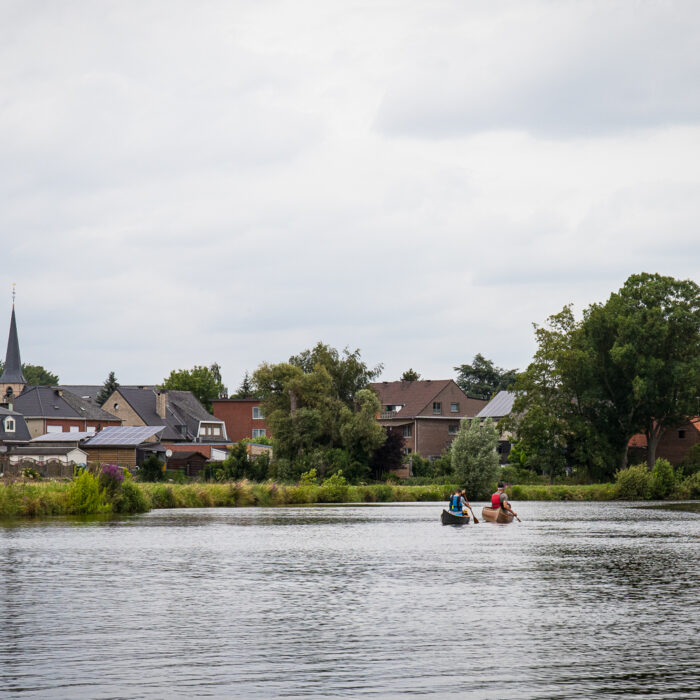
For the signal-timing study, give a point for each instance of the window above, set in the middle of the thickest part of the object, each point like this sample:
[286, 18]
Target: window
[454, 407]
[408, 431]
[54, 429]
[453, 429]
[74, 429]
[681, 434]
[437, 408]
[407, 450]
[259, 432]
[257, 413]
[116, 406]
[217, 430]
[90, 429]
[9, 425]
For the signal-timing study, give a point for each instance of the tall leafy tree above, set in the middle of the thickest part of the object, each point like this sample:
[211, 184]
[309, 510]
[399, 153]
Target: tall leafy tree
[410, 375]
[630, 365]
[110, 386]
[204, 382]
[319, 401]
[474, 457]
[36, 375]
[482, 378]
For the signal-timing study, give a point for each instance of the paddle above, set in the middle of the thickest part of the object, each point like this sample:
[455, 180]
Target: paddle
[474, 518]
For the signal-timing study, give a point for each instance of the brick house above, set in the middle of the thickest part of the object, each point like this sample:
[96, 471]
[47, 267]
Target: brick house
[180, 413]
[674, 444]
[243, 418]
[427, 412]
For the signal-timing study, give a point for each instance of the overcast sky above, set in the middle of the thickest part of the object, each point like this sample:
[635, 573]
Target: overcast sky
[190, 182]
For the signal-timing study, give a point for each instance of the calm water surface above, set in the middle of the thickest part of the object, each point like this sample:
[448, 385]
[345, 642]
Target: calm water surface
[578, 601]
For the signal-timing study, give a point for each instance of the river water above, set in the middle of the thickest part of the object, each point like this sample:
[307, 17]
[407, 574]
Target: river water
[580, 600]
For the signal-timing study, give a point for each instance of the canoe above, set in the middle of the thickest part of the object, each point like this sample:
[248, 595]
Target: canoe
[496, 515]
[453, 519]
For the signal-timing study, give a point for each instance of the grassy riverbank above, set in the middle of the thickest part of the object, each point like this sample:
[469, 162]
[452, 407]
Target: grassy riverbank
[83, 495]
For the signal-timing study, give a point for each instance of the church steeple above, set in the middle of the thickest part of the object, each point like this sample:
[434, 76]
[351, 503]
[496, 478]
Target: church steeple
[12, 380]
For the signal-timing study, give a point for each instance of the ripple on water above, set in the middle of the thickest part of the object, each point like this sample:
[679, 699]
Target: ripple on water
[579, 600]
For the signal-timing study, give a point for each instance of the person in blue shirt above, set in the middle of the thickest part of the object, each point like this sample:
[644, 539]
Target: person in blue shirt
[458, 503]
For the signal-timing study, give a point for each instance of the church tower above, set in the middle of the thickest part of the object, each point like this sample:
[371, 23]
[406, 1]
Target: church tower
[12, 380]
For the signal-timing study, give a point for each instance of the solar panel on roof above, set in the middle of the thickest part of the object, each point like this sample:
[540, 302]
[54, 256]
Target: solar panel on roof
[125, 435]
[62, 437]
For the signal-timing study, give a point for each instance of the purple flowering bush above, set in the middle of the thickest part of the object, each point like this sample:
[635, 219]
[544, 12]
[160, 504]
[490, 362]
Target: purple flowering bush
[111, 478]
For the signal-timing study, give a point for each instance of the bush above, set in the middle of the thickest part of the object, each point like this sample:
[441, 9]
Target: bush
[151, 469]
[663, 479]
[633, 483]
[334, 489]
[130, 499]
[110, 479]
[689, 488]
[85, 496]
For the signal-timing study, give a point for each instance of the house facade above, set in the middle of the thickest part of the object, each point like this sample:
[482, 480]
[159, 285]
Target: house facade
[182, 416]
[674, 444]
[243, 418]
[427, 412]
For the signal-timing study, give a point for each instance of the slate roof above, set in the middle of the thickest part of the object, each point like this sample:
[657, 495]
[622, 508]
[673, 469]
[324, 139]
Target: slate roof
[182, 409]
[90, 392]
[55, 402]
[12, 373]
[86, 408]
[21, 433]
[500, 405]
[43, 402]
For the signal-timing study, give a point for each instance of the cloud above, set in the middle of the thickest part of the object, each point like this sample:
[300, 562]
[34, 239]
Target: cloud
[553, 69]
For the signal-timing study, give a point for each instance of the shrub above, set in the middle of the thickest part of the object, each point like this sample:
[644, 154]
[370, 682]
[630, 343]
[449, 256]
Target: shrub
[85, 496]
[663, 479]
[309, 477]
[689, 488]
[31, 473]
[334, 489]
[130, 499]
[691, 464]
[151, 469]
[110, 479]
[162, 496]
[633, 483]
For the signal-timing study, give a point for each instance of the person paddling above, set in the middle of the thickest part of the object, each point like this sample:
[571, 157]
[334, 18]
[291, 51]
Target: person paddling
[500, 500]
[456, 502]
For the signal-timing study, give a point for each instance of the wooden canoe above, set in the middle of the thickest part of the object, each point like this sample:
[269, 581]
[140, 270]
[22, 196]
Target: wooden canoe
[496, 515]
[453, 518]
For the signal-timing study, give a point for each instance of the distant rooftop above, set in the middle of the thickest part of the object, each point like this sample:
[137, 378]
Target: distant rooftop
[500, 405]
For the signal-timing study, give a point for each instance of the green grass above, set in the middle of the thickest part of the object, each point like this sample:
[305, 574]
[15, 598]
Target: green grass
[48, 498]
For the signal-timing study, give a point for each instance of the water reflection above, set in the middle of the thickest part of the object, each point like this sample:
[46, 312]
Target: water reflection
[577, 601]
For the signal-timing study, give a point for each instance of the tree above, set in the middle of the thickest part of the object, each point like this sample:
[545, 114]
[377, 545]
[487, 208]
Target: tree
[410, 375]
[652, 351]
[482, 378]
[389, 455]
[35, 375]
[110, 386]
[630, 365]
[204, 382]
[474, 456]
[320, 401]
[245, 390]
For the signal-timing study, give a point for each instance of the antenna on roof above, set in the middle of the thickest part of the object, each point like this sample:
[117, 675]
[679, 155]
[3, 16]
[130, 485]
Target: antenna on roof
[14, 292]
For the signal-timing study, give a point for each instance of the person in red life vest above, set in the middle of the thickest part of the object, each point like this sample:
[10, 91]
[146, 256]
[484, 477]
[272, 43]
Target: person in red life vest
[500, 499]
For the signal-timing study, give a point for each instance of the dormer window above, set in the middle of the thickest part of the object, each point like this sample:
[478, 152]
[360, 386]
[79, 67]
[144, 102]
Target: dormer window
[9, 425]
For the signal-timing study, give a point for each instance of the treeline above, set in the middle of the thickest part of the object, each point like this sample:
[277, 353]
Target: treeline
[630, 365]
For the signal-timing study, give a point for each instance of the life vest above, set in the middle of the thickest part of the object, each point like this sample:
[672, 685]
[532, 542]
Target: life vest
[495, 500]
[456, 503]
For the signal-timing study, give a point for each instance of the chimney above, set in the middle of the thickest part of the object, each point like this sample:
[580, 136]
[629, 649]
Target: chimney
[161, 399]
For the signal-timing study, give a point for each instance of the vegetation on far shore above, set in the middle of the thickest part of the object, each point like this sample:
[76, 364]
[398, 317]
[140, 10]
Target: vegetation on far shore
[113, 491]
